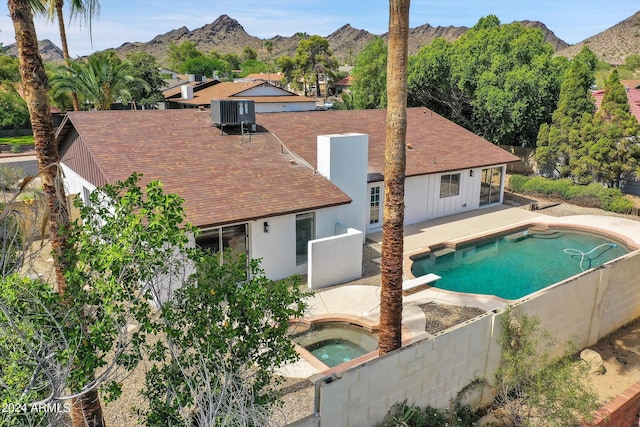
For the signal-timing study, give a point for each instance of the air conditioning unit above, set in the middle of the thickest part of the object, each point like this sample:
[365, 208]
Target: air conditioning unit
[233, 112]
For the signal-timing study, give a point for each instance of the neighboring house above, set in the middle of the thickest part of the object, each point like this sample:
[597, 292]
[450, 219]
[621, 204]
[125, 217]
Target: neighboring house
[343, 84]
[271, 78]
[182, 89]
[301, 179]
[267, 97]
[633, 95]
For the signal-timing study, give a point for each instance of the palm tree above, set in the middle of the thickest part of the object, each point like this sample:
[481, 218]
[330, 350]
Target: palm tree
[101, 79]
[390, 336]
[86, 410]
[268, 45]
[87, 8]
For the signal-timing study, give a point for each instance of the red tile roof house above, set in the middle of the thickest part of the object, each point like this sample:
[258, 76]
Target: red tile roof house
[633, 96]
[301, 192]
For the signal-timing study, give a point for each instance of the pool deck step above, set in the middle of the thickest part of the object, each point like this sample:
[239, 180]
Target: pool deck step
[445, 251]
[411, 284]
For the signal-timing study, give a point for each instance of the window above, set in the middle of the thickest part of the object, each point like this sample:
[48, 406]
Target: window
[86, 196]
[304, 232]
[449, 185]
[233, 237]
[374, 210]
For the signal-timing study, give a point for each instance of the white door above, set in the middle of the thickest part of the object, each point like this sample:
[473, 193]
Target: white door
[375, 208]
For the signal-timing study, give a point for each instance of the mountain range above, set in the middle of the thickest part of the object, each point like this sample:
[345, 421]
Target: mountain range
[226, 35]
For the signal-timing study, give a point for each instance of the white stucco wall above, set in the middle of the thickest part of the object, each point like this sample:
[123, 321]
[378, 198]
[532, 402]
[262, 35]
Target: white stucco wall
[74, 183]
[423, 201]
[335, 259]
[278, 247]
[344, 160]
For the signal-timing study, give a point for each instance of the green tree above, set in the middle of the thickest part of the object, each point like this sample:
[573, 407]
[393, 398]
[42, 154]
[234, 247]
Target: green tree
[314, 57]
[287, 66]
[122, 254]
[233, 59]
[226, 329]
[145, 66]
[560, 143]
[370, 76]
[253, 66]
[206, 65]
[88, 9]
[268, 46]
[612, 140]
[249, 53]
[9, 69]
[390, 336]
[500, 81]
[178, 54]
[100, 79]
[30, 340]
[431, 85]
[13, 109]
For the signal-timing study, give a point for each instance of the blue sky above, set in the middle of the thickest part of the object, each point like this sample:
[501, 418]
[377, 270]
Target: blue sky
[123, 21]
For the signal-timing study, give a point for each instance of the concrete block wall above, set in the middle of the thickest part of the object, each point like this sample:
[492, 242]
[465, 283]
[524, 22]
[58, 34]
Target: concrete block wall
[433, 371]
[621, 300]
[429, 372]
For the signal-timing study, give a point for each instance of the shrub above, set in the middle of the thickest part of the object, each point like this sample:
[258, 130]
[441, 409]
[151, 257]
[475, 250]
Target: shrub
[593, 195]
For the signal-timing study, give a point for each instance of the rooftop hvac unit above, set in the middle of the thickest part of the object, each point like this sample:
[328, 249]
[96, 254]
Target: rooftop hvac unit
[232, 112]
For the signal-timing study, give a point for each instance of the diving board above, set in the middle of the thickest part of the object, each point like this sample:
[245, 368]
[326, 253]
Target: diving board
[411, 284]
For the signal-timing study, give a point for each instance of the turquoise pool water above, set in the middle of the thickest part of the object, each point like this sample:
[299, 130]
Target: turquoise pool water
[336, 351]
[336, 342]
[517, 264]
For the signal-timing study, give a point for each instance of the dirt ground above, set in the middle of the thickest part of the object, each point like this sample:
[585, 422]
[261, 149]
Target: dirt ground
[620, 354]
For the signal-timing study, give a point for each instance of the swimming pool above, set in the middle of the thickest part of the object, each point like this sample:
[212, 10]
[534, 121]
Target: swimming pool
[516, 264]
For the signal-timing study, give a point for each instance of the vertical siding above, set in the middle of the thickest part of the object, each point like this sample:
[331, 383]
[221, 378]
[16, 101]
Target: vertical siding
[75, 155]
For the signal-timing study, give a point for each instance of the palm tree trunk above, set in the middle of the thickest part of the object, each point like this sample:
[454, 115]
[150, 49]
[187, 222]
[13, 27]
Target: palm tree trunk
[390, 336]
[36, 92]
[86, 411]
[65, 47]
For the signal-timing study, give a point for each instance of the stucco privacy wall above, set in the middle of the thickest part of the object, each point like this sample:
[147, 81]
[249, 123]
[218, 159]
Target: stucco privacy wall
[334, 260]
[343, 159]
[433, 371]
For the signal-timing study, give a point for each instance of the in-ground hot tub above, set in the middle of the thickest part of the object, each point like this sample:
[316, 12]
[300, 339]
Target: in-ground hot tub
[334, 342]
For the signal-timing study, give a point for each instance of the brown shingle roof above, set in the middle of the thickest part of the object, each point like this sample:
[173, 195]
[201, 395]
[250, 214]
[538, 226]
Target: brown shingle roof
[221, 178]
[438, 144]
[224, 180]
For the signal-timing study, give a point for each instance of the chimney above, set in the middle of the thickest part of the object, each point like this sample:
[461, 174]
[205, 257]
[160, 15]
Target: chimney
[186, 91]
